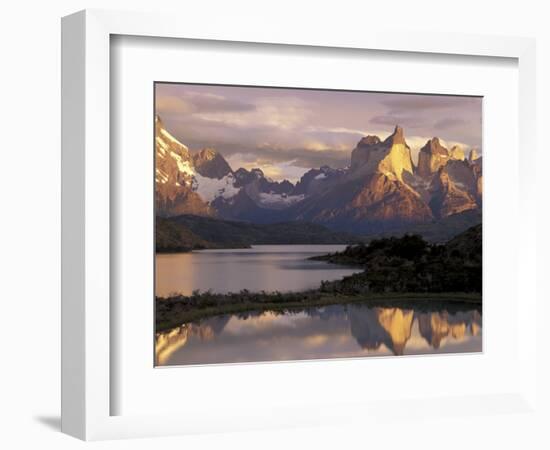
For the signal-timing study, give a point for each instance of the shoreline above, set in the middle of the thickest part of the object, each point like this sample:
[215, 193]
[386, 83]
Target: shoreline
[173, 311]
[182, 250]
[419, 274]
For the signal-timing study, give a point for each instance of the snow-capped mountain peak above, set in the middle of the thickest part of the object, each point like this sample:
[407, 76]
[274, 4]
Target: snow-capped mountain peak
[193, 179]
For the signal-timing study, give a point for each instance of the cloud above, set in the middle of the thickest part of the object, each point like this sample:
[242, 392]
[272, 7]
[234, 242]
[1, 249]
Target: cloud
[165, 105]
[399, 102]
[205, 102]
[450, 122]
[335, 130]
[450, 144]
[284, 131]
[429, 112]
[268, 113]
[312, 158]
[320, 145]
[395, 119]
[190, 102]
[300, 157]
[285, 170]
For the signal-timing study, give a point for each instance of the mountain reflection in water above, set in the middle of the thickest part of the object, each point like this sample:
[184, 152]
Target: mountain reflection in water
[335, 331]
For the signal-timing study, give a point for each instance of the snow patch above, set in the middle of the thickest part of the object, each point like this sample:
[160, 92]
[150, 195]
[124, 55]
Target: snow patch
[161, 176]
[162, 147]
[320, 176]
[279, 199]
[460, 185]
[211, 188]
[183, 166]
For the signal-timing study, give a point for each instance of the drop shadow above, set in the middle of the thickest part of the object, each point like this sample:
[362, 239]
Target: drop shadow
[51, 422]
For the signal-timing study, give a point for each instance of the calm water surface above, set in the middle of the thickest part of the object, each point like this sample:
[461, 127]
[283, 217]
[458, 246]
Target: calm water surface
[262, 267]
[337, 331]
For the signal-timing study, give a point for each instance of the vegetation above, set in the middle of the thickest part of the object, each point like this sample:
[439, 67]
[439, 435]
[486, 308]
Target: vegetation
[171, 238]
[410, 264]
[174, 311]
[188, 232]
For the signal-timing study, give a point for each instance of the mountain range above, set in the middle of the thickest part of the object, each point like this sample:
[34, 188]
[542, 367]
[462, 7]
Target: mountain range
[382, 190]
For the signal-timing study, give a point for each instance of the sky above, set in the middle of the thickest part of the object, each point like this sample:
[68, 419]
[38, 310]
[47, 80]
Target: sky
[286, 132]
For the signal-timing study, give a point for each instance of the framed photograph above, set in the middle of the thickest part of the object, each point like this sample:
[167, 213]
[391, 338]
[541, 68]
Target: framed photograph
[288, 232]
[292, 215]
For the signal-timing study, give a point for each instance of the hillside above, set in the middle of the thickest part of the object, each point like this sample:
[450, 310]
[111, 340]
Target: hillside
[437, 230]
[189, 232]
[410, 264]
[173, 238]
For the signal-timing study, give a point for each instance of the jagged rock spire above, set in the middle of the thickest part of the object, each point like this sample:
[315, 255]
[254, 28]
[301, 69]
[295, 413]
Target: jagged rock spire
[434, 147]
[457, 152]
[397, 137]
[431, 157]
[370, 140]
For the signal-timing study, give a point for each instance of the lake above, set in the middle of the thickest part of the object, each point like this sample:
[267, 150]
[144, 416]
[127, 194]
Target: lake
[263, 267]
[336, 331]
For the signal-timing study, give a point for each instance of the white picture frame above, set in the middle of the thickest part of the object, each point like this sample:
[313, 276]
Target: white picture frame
[86, 219]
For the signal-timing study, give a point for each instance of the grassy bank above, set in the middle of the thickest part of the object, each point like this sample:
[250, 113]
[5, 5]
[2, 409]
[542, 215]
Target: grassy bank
[174, 311]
